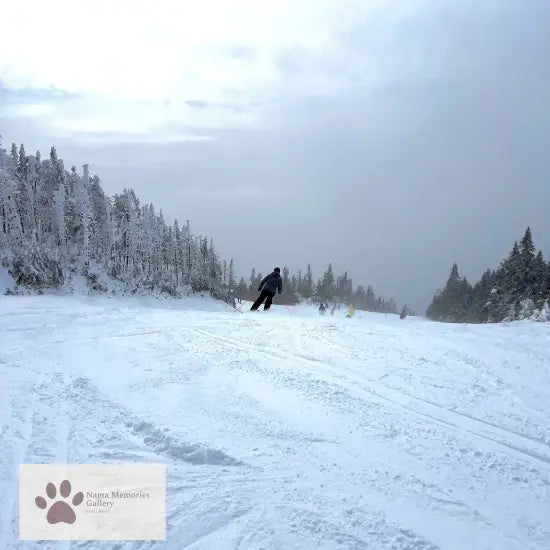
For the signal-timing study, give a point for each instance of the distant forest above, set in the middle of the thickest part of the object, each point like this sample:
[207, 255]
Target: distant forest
[518, 289]
[58, 229]
[330, 288]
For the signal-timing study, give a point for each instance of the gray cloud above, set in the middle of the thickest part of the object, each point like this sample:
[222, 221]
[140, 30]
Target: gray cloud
[24, 95]
[243, 52]
[196, 104]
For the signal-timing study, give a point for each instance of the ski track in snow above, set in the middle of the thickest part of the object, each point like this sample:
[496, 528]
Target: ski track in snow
[286, 430]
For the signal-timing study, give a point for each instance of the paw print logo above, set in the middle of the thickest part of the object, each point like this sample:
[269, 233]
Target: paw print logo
[60, 511]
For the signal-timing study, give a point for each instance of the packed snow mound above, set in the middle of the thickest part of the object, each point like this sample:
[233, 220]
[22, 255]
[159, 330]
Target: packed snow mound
[285, 429]
[6, 281]
[530, 312]
[542, 314]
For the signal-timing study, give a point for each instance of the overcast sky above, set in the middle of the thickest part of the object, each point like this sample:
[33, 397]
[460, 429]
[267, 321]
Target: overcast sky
[391, 138]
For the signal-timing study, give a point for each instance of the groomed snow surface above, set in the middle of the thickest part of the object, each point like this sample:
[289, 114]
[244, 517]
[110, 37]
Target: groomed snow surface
[285, 430]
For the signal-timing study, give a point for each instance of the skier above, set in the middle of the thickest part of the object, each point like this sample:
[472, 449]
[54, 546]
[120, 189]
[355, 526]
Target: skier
[403, 314]
[269, 285]
[322, 309]
[351, 311]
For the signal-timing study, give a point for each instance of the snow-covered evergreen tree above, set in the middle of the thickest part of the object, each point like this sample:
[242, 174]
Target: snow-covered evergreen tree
[519, 289]
[307, 284]
[57, 225]
[453, 302]
[242, 291]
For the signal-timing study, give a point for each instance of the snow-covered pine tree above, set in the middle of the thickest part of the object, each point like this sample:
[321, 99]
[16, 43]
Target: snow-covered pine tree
[11, 219]
[527, 279]
[539, 279]
[519, 288]
[294, 286]
[307, 290]
[99, 226]
[230, 282]
[326, 287]
[242, 291]
[286, 279]
[481, 294]
[370, 299]
[453, 302]
[252, 282]
[177, 252]
[360, 298]
[505, 302]
[289, 295]
[56, 224]
[22, 196]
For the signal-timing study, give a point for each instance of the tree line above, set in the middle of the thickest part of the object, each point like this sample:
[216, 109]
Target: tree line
[518, 289]
[57, 226]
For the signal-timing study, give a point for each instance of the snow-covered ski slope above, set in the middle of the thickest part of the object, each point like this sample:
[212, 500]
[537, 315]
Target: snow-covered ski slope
[286, 430]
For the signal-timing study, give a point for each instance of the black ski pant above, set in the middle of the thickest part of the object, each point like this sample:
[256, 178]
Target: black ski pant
[264, 295]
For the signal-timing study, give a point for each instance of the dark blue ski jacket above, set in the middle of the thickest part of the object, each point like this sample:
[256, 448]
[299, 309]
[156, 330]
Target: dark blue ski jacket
[272, 283]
